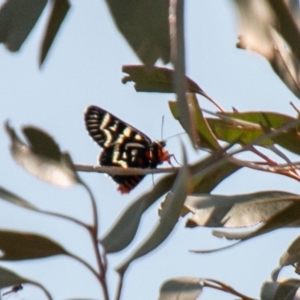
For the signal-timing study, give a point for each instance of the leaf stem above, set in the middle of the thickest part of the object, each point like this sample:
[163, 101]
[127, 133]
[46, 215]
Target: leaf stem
[215, 284]
[93, 230]
[120, 285]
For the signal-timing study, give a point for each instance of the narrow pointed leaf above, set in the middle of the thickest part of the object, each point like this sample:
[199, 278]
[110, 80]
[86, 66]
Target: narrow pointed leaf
[204, 173]
[17, 19]
[58, 14]
[185, 288]
[287, 24]
[205, 183]
[231, 235]
[205, 134]
[20, 246]
[15, 199]
[169, 217]
[9, 278]
[286, 65]
[125, 228]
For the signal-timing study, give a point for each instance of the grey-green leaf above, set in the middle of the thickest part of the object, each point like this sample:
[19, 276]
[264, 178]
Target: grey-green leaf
[123, 231]
[9, 278]
[238, 210]
[42, 157]
[169, 217]
[280, 290]
[20, 246]
[15, 199]
[182, 288]
[17, 19]
[58, 14]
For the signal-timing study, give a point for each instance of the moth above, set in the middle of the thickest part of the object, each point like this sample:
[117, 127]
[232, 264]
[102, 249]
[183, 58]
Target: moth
[123, 146]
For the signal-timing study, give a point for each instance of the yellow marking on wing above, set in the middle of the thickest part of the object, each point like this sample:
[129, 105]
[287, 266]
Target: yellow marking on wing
[105, 121]
[106, 132]
[138, 137]
[115, 158]
[127, 131]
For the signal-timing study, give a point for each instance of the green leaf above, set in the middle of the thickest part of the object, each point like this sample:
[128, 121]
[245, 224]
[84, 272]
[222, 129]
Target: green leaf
[20, 246]
[58, 14]
[42, 157]
[17, 19]
[230, 130]
[155, 79]
[169, 217]
[207, 138]
[182, 288]
[205, 134]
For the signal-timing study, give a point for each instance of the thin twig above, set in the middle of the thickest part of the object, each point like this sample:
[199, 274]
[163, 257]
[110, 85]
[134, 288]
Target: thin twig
[279, 153]
[274, 170]
[263, 156]
[120, 285]
[225, 288]
[295, 108]
[212, 101]
[41, 287]
[123, 171]
[95, 273]
[54, 214]
[93, 230]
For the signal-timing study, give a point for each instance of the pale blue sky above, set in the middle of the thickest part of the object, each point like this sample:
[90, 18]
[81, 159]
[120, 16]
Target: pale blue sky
[84, 67]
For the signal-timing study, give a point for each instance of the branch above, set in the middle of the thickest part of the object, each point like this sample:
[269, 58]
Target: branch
[123, 171]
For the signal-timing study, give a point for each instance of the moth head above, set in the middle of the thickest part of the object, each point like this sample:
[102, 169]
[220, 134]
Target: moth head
[161, 153]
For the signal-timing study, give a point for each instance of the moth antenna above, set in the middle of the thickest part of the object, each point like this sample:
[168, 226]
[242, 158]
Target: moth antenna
[177, 134]
[162, 127]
